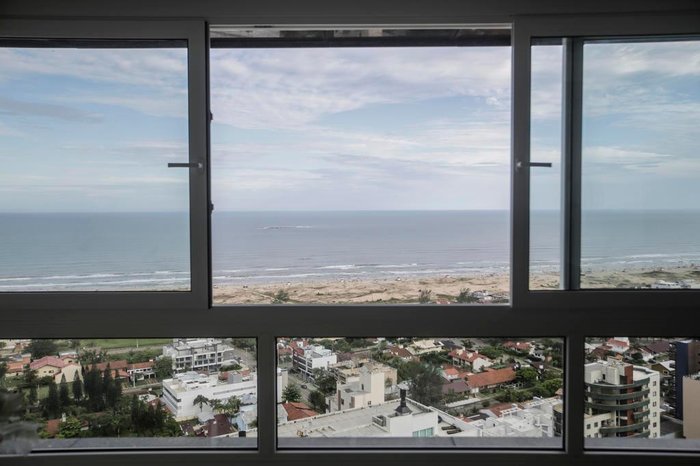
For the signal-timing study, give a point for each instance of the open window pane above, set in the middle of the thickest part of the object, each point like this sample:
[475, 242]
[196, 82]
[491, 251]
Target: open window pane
[368, 172]
[640, 173]
[87, 202]
[127, 393]
[419, 392]
[642, 393]
[545, 182]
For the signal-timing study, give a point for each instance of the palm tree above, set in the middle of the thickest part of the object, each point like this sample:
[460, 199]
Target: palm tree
[232, 406]
[201, 400]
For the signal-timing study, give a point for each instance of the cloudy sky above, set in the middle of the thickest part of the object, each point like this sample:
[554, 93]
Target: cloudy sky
[341, 129]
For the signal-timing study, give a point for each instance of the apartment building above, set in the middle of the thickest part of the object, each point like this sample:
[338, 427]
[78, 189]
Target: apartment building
[622, 400]
[306, 358]
[198, 354]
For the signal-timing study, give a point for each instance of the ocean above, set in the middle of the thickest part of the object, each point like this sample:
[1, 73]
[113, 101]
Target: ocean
[150, 251]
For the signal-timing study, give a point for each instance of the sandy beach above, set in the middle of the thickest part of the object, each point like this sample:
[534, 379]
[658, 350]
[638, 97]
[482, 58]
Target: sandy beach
[489, 287]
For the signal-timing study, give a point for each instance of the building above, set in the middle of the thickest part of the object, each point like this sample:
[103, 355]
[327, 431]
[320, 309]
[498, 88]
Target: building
[399, 352]
[180, 392]
[51, 366]
[366, 389]
[470, 359]
[282, 382]
[309, 357]
[691, 406]
[295, 411]
[343, 374]
[489, 379]
[622, 400]
[199, 354]
[687, 357]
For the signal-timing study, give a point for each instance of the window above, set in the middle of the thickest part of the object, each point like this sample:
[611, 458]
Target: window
[454, 392]
[379, 177]
[557, 306]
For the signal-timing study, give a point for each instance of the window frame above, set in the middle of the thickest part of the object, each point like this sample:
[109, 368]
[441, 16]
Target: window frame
[588, 313]
[191, 31]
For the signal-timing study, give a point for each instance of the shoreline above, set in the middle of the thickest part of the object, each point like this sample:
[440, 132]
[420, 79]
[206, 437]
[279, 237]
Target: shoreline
[444, 289]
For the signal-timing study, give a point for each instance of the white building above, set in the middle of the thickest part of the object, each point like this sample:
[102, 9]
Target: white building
[365, 389]
[309, 357]
[192, 354]
[180, 392]
[622, 400]
[282, 382]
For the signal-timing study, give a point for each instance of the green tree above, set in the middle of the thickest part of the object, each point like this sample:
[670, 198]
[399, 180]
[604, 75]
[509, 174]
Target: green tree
[163, 368]
[70, 428]
[325, 381]
[42, 347]
[527, 376]
[282, 296]
[200, 400]
[77, 387]
[291, 394]
[318, 401]
[52, 403]
[426, 385]
[63, 392]
[231, 407]
[3, 371]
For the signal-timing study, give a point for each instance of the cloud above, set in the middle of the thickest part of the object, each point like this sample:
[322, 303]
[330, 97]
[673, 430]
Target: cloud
[287, 88]
[14, 108]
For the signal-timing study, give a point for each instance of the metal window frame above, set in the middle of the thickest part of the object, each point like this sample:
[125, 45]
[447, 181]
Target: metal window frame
[575, 31]
[552, 314]
[124, 31]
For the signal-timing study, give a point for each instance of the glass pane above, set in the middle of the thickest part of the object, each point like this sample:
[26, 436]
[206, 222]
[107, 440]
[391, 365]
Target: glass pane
[127, 393]
[640, 218]
[642, 393]
[449, 392]
[545, 183]
[87, 202]
[361, 175]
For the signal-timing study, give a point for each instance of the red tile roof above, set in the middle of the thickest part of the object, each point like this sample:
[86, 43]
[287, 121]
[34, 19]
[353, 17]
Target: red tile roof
[455, 386]
[121, 364]
[492, 377]
[399, 352]
[297, 410]
[141, 365]
[468, 356]
[517, 345]
[48, 361]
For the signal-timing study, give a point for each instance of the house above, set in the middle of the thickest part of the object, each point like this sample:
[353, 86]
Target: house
[449, 373]
[519, 346]
[617, 345]
[471, 359]
[489, 379]
[298, 410]
[399, 352]
[456, 387]
[51, 366]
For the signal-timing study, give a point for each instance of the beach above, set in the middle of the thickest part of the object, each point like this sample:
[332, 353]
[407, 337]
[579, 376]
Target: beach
[484, 288]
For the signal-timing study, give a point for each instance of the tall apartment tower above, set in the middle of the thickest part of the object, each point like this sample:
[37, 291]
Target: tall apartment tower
[622, 400]
[687, 356]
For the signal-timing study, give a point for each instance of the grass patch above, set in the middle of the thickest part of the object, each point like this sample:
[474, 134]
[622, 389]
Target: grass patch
[128, 343]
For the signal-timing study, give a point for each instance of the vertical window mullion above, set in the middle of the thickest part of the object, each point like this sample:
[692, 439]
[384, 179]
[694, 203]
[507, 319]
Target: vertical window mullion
[572, 116]
[198, 139]
[267, 395]
[574, 394]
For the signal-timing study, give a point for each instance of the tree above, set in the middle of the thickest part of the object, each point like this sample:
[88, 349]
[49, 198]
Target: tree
[3, 371]
[163, 367]
[52, 404]
[231, 407]
[527, 376]
[325, 381]
[70, 428]
[291, 394]
[200, 400]
[426, 385]
[77, 387]
[63, 392]
[318, 401]
[282, 296]
[42, 347]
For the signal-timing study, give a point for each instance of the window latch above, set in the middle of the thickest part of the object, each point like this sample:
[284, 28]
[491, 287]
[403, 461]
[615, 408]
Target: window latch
[519, 164]
[186, 165]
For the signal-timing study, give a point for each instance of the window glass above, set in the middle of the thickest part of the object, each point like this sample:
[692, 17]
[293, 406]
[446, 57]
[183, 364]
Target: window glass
[620, 376]
[545, 182]
[449, 392]
[376, 174]
[640, 218]
[87, 202]
[127, 393]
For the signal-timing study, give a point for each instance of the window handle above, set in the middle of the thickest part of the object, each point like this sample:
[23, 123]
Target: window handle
[519, 164]
[185, 165]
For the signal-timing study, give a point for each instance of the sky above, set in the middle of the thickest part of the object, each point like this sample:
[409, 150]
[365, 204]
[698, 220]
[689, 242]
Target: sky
[341, 129]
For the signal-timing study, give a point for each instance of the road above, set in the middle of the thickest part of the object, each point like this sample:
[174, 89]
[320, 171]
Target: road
[294, 379]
